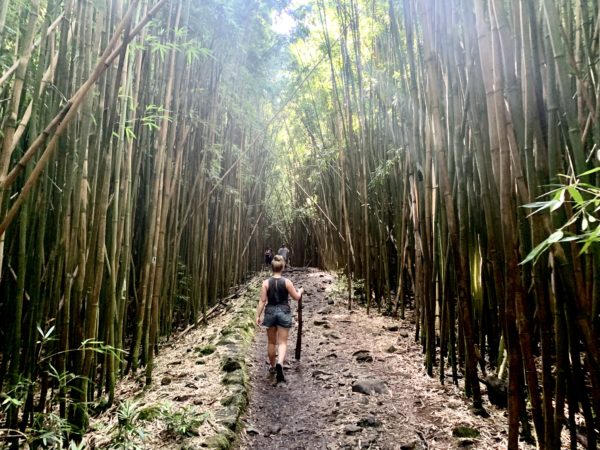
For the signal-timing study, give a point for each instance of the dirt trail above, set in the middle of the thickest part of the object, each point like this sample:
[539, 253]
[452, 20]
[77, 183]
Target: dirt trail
[317, 409]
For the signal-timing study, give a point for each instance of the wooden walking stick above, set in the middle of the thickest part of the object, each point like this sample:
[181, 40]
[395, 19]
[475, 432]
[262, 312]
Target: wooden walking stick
[299, 336]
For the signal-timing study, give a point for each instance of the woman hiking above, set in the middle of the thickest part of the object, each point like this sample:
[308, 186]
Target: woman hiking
[278, 315]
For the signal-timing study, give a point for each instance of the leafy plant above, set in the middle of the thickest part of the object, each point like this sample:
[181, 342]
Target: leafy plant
[129, 431]
[49, 431]
[15, 397]
[184, 421]
[584, 198]
[132, 415]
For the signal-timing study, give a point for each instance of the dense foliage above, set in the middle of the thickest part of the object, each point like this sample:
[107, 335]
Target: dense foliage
[425, 128]
[134, 147]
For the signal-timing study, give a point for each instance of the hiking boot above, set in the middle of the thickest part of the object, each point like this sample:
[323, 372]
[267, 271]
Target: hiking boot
[279, 371]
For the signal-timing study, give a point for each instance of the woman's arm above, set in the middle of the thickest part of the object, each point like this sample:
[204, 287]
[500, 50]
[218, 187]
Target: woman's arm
[261, 303]
[296, 294]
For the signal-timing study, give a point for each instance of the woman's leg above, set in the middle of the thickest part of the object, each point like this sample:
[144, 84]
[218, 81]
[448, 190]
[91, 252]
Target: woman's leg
[282, 338]
[272, 345]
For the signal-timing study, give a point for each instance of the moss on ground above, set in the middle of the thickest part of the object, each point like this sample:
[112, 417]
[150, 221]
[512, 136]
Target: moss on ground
[239, 400]
[221, 441]
[207, 349]
[238, 377]
[236, 336]
[465, 432]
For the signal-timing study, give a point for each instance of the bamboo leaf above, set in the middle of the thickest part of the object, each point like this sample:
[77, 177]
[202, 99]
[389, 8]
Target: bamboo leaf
[543, 246]
[575, 195]
[555, 237]
[558, 200]
[589, 172]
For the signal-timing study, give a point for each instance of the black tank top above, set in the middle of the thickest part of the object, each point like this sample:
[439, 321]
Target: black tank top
[277, 293]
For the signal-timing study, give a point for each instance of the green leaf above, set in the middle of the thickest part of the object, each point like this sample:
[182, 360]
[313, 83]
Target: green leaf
[575, 195]
[555, 237]
[589, 172]
[535, 253]
[584, 224]
[558, 200]
[543, 246]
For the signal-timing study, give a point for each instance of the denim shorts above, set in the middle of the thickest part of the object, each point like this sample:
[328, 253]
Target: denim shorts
[278, 315]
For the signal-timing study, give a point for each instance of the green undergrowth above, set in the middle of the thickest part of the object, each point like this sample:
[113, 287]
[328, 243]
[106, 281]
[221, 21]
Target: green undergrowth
[133, 416]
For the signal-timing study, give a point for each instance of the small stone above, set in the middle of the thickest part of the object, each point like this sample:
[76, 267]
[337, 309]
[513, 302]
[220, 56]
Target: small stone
[332, 334]
[352, 429]
[320, 374]
[391, 349]
[251, 431]
[230, 365]
[166, 381]
[200, 362]
[206, 350]
[480, 411]
[463, 431]
[369, 422]
[370, 387]
[320, 322]
[191, 385]
[233, 378]
[182, 398]
[229, 422]
[331, 301]
[497, 390]
[273, 429]
[363, 356]
[413, 445]
[467, 442]
[404, 333]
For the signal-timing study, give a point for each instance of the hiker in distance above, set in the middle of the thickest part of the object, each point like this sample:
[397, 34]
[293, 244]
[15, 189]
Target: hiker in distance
[268, 256]
[274, 301]
[284, 251]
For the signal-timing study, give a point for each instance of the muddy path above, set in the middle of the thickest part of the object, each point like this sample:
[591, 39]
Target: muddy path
[321, 406]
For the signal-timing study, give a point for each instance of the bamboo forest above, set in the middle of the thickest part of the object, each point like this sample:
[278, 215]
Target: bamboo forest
[432, 167]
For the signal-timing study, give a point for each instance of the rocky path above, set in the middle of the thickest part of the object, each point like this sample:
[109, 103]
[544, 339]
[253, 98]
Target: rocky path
[359, 384]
